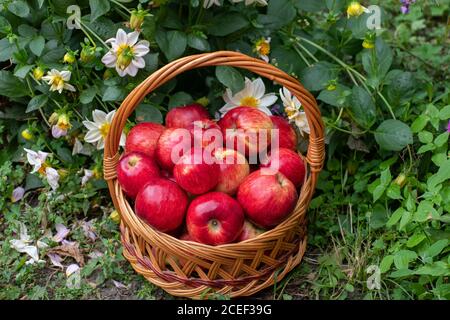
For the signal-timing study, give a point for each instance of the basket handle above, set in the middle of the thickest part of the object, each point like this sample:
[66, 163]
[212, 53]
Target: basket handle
[316, 149]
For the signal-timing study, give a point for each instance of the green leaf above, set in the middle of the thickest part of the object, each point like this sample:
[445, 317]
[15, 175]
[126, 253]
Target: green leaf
[436, 269]
[5, 26]
[425, 137]
[227, 23]
[19, 7]
[337, 97]
[415, 240]
[403, 258]
[425, 210]
[6, 49]
[318, 76]
[444, 113]
[442, 175]
[282, 11]
[393, 191]
[386, 263]
[65, 154]
[441, 139]
[406, 218]
[310, 5]
[10, 86]
[37, 45]
[22, 71]
[198, 43]
[377, 63]
[37, 102]
[420, 123]
[148, 113]
[393, 135]
[400, 86]
[180, 99]
[395, 217]
[113, 93]
[88, 95]
[363, 107]
[32, 181]
[98, 8]
[230, 77]
[436, 248]
[171, 43]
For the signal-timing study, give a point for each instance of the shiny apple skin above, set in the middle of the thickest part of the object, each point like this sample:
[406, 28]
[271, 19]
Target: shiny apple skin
[196, 178]
[182, 117]
[249, 120]
[288, 137]
[249, 231]
[143, 138]
[162, 204]
[168, 140]
[214, 218]
[134, 171]
[199, 131]
[290, 164]
[267, 199]
[231, 173]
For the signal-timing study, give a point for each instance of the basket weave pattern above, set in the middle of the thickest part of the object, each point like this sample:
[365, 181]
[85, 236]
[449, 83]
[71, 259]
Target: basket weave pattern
[194, 270]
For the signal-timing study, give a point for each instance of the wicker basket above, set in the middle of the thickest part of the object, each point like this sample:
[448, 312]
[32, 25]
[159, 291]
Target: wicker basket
[194, 270]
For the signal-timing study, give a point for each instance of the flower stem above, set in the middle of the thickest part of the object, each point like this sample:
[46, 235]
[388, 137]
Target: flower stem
[94, 34]
[121, 6]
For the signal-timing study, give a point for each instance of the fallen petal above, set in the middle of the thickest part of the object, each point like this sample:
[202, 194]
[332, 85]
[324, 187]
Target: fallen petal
[55, 259]
[119, 285]
[72, 269]
[62, 232]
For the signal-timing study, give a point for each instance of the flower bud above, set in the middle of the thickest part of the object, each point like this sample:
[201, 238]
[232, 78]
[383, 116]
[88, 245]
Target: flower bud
[53, 118]
[400, 180]
[137, 18]
[355, 9]
[69, 57]
[26, 134]
[115, 216]
[38, 73]
[204, 101]
[87, 54]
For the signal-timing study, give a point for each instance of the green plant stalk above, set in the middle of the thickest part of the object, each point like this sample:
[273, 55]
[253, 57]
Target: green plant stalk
[302, 56]
[121, 6]
[94, 34]
[349, 69]
[40, 109]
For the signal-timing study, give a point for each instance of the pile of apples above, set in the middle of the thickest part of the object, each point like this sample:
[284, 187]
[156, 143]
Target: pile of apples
[211, 203]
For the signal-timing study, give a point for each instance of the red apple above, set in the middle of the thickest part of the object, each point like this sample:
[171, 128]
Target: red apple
[143, 137]
[182, 117]
[287, 136]
[249, 231]
[194, 174]
[247, 130]
[162, 204]
[267, 199]
[234, 169]
[134, 171]
[287, 162]
[186, 237]
[214, 218]
[205, 132]
[171, 145]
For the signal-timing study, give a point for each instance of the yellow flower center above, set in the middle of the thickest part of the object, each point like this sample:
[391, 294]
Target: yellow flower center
[249, 102]
[263, 47]
[290, 112]
[104, 129]
[58, 81]
[63, 122]
[124, 48]
[42, 168]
